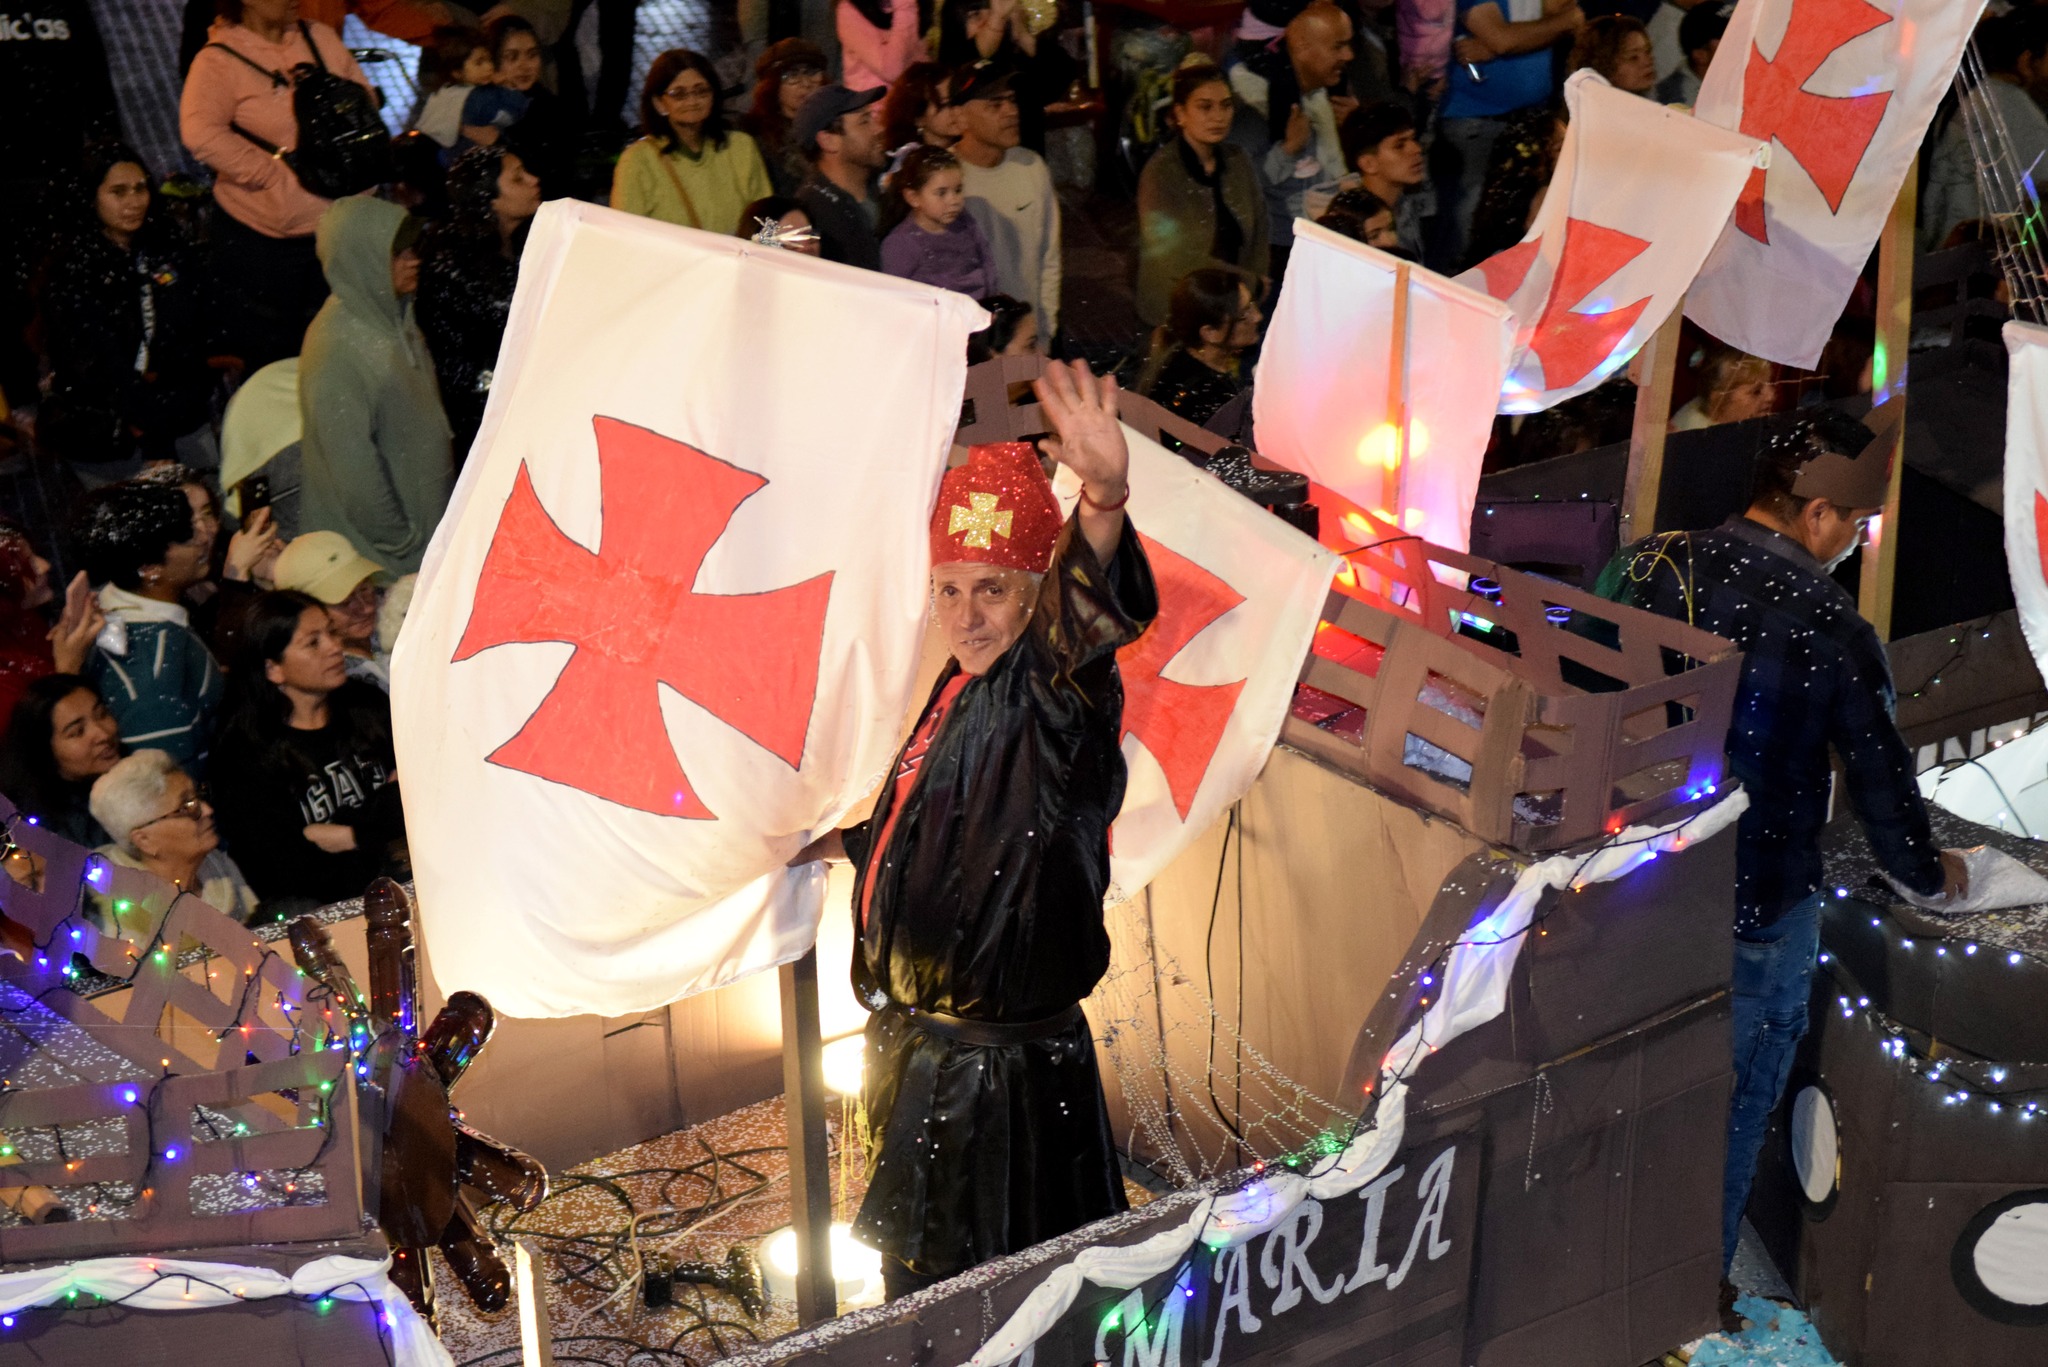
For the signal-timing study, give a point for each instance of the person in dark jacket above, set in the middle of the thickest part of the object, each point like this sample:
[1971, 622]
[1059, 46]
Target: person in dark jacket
[124, 322]
[306, 786]
[1814, 679]
[547, 135]
[60, 738]
[468, 267]
[1200, 202]
[1193, 366]
[978, 893]
[840, 130]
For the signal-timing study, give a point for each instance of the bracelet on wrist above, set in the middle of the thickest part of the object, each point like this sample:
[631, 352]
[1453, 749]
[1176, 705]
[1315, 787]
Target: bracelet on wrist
[1107, 507]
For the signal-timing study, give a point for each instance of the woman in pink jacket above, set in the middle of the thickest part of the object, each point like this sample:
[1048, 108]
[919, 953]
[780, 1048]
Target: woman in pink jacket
[877, 40]
[270, 284]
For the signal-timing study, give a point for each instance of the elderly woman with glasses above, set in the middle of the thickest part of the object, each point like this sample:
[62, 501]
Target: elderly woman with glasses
[159, 820]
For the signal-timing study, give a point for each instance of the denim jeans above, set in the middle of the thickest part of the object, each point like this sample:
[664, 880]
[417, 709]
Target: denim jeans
[1773, 982]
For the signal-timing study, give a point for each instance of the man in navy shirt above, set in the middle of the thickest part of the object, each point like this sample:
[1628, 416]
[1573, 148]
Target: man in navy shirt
[1814, 678]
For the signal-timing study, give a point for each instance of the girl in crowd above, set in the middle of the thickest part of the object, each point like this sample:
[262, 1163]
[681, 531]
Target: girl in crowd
[1618, 47]
[1362, 216]
[878, 40]
[30, 647]
[788, 217]
[1193, 369]
[59, 740]
[1012, 330]
[935, 242]
[468, 266]
[916, 109]
[545, 136]
[238, 86]
[689, 169]
[1199, 199]
[124, 318]
[307, 781]
[157, 819]
[785, 75]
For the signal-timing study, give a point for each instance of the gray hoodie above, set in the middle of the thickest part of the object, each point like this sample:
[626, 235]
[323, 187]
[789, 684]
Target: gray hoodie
[378, 464]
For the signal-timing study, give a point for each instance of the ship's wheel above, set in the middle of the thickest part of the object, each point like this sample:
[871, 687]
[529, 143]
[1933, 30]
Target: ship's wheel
[429, 1172]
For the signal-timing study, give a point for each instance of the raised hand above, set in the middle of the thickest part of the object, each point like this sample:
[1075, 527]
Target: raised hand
[253, 549]
[1089, 441]
[71, 639]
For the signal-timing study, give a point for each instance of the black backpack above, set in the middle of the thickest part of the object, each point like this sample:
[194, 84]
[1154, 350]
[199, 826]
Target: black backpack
[343, 146]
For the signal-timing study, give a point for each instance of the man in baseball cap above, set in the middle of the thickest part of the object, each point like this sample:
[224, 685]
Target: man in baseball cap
[840, 132]
[1814, 678]
[327, 566]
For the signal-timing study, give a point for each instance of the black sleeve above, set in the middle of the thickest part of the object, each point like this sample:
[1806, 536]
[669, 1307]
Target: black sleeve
[1880, 782]
[1086, 610]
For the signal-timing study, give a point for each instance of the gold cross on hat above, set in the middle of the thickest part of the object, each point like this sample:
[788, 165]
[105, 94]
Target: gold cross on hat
[978, 519]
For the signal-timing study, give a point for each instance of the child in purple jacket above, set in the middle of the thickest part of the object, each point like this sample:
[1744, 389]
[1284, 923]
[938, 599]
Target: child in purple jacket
[936, 242]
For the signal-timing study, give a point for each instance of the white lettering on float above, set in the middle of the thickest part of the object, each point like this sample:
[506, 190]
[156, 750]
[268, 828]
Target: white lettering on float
[1284, 1267]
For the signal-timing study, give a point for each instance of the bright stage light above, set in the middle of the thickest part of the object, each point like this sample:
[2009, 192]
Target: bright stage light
[845, 1063]
[855, 1267]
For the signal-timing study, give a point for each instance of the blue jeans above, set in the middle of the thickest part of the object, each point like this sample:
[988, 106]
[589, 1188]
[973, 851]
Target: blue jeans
[1773, 983]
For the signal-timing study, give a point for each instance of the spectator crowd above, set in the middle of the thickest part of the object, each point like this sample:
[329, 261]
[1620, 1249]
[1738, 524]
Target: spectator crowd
[253, 380]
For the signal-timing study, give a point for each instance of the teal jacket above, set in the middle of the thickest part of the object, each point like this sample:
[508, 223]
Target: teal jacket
[378, 466]
[157, 678]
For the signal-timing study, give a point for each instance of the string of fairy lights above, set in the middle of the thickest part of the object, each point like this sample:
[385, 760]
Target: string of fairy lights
[1424, 979]
[275, 1187]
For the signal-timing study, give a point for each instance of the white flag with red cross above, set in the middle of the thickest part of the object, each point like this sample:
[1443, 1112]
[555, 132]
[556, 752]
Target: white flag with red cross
[2026, 481]
[671, 621]
[1378, 379]
[1208, 685]
[1843, 90]
[1634, 206]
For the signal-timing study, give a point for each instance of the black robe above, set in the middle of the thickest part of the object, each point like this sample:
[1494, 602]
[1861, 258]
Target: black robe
[987, 905]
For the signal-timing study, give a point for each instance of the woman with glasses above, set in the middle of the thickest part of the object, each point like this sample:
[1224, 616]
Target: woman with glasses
[689, 169]
[785, 75]
[158, 819]
[306, 781]
[61, 738]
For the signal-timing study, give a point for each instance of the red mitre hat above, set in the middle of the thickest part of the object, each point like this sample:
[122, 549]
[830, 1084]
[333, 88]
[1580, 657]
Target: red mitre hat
[997, 509]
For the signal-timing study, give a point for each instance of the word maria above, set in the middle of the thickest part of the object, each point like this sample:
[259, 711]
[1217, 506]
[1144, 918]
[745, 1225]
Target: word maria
[1255, 1284]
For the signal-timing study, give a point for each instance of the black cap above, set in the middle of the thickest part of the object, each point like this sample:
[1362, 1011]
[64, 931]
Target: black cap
[982, 81]
[826, 105]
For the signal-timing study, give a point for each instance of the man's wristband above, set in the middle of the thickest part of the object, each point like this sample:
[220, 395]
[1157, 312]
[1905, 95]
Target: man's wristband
[1107, 507]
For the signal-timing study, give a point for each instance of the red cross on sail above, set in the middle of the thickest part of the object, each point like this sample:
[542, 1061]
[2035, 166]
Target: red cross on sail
[1179, 723]
[1635, 205]
[630, 610]
[1843, 91]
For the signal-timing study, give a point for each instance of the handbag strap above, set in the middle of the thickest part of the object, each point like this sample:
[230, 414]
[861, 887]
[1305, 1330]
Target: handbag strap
[312, 46]
[277, 78]
[689, 205]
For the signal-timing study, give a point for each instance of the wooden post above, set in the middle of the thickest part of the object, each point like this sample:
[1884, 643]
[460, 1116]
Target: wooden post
[1658, 362]
[1394, 480]
[810, 1164]
[1888, 386]
[536, 1334]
